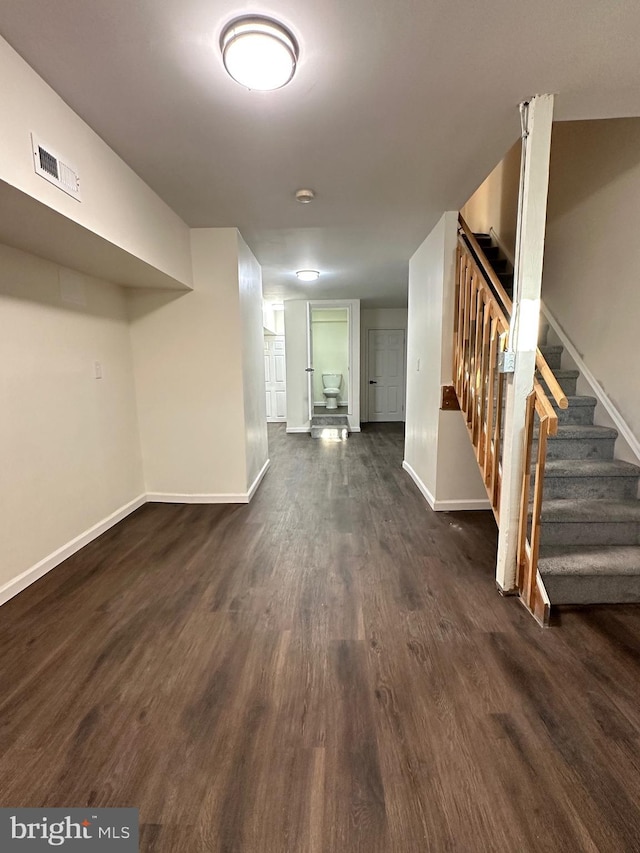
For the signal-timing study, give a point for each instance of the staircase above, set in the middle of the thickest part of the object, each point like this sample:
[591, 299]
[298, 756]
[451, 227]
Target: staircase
[590, 545]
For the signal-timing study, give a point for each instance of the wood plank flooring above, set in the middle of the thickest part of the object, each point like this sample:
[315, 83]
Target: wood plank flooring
[326, 670]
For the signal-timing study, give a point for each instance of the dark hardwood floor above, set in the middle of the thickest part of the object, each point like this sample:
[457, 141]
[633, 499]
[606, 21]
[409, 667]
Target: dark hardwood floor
[327, 670]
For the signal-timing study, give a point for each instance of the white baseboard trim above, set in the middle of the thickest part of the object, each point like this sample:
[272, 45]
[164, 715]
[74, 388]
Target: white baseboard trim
[254, 486]
[210, 498]
[463, 505]
[426, 494]
[205, 498]
[297, 430]
[354, 429]
[31, 575]
[445, 506]
[598, 392]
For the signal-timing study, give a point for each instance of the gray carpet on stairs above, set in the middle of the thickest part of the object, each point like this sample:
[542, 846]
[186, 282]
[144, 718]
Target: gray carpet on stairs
[590, 543]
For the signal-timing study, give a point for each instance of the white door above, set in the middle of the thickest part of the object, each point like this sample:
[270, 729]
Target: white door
[386, 374]
[275, 378]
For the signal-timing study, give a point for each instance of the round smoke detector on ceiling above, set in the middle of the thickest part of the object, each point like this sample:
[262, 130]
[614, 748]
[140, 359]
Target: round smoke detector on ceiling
[305, 196]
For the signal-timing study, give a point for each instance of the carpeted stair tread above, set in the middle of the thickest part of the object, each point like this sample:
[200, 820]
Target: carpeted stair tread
[592, 574]
[590, 511]
[590, 479]
[590, 468]
[580, 411]
[566, 380]
[551, 349]
[580, 432]
[578, 441]
[562, 373]
[552, 355]
[483, 239]
[576, 400]
[580, 560]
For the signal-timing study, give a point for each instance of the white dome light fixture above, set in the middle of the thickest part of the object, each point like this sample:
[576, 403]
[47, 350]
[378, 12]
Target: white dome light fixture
[259, 53]
[308, 275]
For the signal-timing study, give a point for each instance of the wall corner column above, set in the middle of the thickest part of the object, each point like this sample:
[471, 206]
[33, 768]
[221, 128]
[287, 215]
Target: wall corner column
[523, 332]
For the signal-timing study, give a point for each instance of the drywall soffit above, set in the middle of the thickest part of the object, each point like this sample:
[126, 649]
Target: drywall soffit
[30, 225]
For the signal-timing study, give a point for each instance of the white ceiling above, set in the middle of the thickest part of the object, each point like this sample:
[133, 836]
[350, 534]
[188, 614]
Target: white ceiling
[397, 112]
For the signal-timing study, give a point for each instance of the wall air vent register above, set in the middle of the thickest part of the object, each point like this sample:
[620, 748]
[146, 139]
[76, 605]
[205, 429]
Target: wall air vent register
[54, 169]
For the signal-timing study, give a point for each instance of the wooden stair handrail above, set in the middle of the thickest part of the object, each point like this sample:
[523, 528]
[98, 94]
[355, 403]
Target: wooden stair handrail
[544, 407]
[480, 331]
[541, 364]
[552, 383]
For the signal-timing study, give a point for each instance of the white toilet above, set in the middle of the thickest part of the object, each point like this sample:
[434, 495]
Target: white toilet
[331, 383]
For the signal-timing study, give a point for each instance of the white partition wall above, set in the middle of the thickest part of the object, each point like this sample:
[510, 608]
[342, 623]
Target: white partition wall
[199, 369]
[438, 454]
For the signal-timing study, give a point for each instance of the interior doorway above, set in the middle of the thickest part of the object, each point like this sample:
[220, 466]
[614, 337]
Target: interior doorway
[386, 366]
[329, 362]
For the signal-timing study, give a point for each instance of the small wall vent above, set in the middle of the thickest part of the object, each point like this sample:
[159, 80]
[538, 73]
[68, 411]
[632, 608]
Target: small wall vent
[53, 169]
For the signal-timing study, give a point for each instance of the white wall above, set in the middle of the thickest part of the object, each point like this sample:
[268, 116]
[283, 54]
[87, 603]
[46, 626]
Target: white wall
[189, 377]
[116, 204]
[438, 452]
[592, 251]
[71, 454]
[376, 318]
[273, 318]
[495, 203]
[182, 396]
[255, 412]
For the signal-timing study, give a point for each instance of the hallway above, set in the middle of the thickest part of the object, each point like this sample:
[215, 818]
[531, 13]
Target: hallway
[326, 670]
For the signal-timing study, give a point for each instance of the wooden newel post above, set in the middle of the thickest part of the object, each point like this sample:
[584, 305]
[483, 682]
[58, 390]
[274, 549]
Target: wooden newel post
[537, 117]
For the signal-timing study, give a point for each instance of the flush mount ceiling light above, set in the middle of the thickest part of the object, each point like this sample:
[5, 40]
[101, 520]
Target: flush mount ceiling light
[308, 275]
[259, 53]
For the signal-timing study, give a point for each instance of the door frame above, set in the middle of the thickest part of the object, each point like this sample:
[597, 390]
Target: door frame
[353, 323]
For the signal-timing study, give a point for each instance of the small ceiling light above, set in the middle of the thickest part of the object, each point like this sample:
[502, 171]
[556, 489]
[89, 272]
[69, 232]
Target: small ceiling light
[308, 275]
[305, 196]
[259, 53]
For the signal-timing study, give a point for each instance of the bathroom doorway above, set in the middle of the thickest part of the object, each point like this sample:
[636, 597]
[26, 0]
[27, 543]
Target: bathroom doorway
[329, 359]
